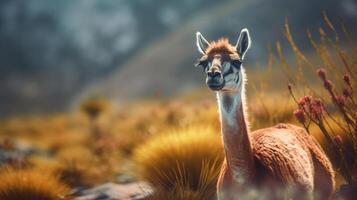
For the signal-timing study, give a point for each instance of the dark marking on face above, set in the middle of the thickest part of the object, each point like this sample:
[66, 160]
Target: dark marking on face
[203, 62]
[236, 63]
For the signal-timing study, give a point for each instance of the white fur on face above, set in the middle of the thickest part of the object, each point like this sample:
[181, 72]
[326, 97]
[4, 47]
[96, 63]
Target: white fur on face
[237, 93]
[232, 80]
[239, 96]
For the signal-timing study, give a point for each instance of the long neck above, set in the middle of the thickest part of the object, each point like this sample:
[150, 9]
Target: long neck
[237, 146]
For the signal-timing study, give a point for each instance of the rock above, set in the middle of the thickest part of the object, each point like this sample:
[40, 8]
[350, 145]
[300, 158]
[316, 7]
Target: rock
[14, 157]
[112, 191]
[125, 178]
[16, 153]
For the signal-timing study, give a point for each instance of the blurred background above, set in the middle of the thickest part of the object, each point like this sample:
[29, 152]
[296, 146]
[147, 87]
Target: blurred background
[53, 53]
[103, 95]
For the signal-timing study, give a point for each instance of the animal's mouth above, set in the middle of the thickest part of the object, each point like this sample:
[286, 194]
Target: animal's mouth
[216, 87]
[215, 84]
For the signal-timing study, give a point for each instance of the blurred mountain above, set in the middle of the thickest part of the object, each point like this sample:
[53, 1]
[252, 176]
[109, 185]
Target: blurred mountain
[52, 50]
[166, 66]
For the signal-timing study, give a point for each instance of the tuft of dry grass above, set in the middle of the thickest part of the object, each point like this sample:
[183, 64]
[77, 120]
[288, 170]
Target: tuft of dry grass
[74, 174]
[94, 106]
[81, 166]
[183, 163]
[206, 189]
[29, 185]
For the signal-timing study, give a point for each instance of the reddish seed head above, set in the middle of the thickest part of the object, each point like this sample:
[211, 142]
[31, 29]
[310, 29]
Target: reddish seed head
[316, 109]
[346, 92]
[328, 85]
[347, 79]
[301, 102]
[341, 100]
[338, 140]
[307, 99]
[300, 115]
[317, 102]
[321, 72]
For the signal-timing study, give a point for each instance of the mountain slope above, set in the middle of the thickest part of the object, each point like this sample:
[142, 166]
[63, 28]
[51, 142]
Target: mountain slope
[167, 65]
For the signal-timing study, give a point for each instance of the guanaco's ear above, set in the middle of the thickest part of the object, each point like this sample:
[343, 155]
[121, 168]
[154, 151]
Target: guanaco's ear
[243, 43]
[201, 43]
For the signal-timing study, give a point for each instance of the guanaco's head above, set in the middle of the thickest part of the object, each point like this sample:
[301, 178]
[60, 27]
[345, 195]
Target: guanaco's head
[222, 62]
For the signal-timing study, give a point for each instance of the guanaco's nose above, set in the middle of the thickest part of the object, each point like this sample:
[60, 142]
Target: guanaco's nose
[214, 72]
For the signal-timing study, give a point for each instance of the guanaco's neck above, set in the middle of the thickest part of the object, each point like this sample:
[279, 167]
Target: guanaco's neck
[235, 135]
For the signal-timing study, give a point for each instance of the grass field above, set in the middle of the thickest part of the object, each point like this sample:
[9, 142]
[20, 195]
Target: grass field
[174, 143]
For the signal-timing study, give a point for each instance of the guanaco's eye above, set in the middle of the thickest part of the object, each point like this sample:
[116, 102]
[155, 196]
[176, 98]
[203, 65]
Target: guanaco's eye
[236, 63]
[203, 62]
[235, 60]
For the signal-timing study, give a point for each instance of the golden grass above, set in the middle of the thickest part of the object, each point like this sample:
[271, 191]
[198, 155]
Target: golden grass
[184, 162]
[78, 153]
[29, 185]
[83, 166]
[165, 139]
[43, 164]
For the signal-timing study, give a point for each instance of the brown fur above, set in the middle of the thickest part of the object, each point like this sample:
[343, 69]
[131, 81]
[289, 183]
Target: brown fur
[278, 152]
[285, 155]
[222, 46]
